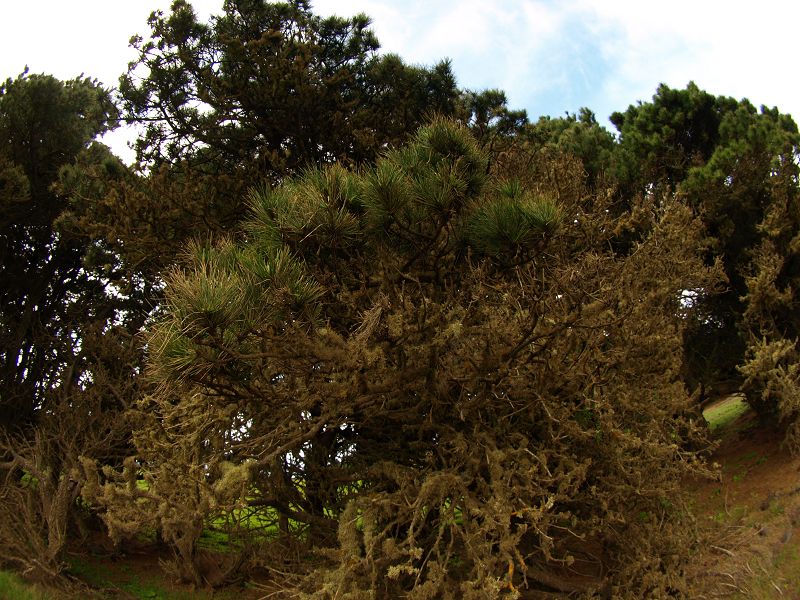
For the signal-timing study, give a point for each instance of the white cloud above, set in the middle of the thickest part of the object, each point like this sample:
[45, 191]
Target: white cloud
[734, 48]
[548, 55]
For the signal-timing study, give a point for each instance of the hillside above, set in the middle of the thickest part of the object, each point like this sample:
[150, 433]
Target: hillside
[752, 514]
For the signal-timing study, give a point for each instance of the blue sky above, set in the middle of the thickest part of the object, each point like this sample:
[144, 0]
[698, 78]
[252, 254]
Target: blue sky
[549, 56]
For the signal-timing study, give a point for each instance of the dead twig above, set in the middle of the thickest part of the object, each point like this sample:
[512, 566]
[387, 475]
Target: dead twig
[724, 550]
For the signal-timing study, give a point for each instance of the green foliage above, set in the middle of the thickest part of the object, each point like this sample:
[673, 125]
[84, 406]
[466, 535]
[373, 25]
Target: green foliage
[413, 193]
[46, 293]
[68, 365]
[734, 165]
[579, 135]
[273, 88]
[661, 140]
[295, 212]
[488, 116]
[770, 317]
[512, 225]
[261, 92]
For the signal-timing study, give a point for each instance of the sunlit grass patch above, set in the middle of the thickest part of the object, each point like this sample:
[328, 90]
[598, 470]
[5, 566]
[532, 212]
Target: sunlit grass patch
[724, 413]
[229, 530]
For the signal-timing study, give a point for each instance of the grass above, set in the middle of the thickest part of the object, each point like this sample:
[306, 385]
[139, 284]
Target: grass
[722, 414]
[776, 580]
[136, 584]
[764, 559]
[12, 587]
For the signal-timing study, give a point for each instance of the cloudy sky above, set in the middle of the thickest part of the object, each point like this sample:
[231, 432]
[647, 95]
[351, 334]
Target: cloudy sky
[550, 56]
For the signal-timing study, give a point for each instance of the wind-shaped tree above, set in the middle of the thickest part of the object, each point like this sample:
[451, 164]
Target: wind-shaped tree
[448, 377]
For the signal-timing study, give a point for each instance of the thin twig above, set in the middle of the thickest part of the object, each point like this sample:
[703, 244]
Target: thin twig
[721, 549]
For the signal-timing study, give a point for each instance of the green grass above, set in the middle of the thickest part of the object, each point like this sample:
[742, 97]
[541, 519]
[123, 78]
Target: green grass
[144, 587]
[260, 523]
[726, 412]
[12, 587]
[731, 516]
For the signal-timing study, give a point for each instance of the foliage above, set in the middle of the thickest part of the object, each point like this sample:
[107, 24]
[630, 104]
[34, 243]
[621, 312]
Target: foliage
[726, 158]
[734, 191]
[467, 408]
[772, 368]
[579, 135]
[487, 115]
[46, 293]
[260, 92]
[661, 140]
[452, 363]
[273, 85]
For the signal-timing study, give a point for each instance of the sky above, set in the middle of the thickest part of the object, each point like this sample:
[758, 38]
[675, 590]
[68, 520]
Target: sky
[549, 56]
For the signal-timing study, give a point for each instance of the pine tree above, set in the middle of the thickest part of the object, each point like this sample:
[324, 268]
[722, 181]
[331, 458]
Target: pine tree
[446, 374]
[46, 292]
[722, 154]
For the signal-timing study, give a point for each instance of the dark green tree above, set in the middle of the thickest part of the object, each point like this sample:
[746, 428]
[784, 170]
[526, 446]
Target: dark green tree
[659, 141]
[265, 86]
[734, 192]
[722, 155]
[488, 116]
[579, 135]
[46, 292]
[272, 88]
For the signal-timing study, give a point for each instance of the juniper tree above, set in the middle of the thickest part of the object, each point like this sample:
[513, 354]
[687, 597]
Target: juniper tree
[445, 376]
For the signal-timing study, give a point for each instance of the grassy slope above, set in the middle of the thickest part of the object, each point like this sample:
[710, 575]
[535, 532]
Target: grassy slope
[753, 512]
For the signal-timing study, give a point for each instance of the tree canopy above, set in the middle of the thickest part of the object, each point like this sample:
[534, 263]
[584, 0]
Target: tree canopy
[725, 157]
[260, 92]
[46, 292]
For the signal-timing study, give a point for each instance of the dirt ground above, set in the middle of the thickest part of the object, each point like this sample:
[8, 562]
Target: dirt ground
[750, 518]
